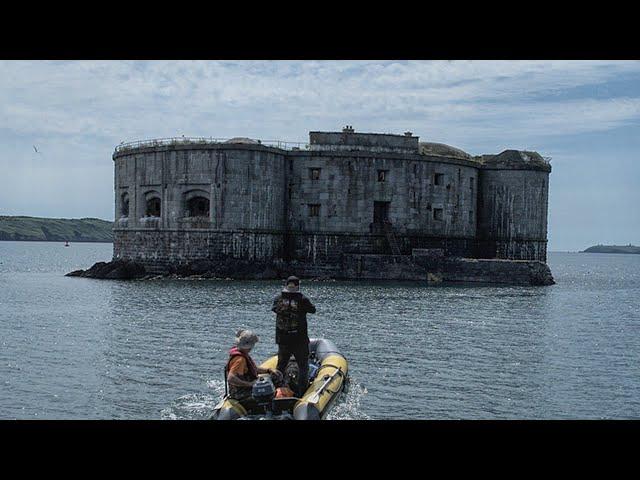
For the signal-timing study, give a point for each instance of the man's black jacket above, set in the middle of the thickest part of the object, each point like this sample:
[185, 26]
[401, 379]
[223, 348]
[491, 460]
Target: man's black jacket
[291, 310]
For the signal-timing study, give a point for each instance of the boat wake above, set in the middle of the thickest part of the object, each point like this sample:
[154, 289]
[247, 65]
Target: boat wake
[195, 406]
[200, 406]
[348, 407]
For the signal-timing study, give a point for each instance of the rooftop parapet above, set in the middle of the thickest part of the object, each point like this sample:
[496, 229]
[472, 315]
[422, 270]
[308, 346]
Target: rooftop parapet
[189, 141]
[349, 140]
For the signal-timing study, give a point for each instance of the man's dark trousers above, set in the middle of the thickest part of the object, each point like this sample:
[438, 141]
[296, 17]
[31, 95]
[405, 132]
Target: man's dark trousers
[300, 351]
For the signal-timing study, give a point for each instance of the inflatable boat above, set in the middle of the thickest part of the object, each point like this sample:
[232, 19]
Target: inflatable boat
[328, 380]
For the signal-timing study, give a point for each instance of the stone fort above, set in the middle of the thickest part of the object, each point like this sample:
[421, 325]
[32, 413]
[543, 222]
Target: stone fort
[346, 204]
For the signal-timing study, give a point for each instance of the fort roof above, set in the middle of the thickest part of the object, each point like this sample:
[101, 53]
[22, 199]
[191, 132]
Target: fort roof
[243, 140]
[516, 159]
[441, 149]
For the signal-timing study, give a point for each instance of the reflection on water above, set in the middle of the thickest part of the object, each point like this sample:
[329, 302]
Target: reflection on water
[82, 348]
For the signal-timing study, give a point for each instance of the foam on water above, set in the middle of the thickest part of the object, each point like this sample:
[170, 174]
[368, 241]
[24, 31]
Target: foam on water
[195, 406]
[349, 407]
[199, 406]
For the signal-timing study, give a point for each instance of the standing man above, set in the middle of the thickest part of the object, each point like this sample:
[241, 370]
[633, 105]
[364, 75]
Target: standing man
[291, 308]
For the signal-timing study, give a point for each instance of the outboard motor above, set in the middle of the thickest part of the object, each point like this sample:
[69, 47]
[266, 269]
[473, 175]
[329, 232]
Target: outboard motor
[263, 391]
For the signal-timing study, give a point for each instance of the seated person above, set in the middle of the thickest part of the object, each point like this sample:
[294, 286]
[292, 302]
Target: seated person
[242, 372]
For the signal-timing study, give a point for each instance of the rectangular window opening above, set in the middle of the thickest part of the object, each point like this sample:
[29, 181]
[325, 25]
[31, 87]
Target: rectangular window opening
[314, 173]
[438, 178]
[314, 209]
[470, 216]
[438, 214]
[382, 175]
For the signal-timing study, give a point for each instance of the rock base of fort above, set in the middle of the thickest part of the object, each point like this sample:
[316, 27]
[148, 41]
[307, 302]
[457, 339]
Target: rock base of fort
[429, 267]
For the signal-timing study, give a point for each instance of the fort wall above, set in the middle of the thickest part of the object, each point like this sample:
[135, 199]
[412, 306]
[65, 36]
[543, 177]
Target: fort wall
[346, 194]
[514, 202]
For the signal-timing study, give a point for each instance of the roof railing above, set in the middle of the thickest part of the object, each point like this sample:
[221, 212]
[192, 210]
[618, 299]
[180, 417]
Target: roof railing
[160, 142]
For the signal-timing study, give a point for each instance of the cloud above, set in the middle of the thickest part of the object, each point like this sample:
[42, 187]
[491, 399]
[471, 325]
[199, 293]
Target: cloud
[130, 100]
[76, 112]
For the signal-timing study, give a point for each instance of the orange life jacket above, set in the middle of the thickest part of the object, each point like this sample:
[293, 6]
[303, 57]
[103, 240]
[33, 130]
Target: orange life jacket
[284, 392]
[252, 373]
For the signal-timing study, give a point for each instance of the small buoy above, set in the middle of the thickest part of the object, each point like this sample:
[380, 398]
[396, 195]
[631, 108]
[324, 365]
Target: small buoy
[66, 244]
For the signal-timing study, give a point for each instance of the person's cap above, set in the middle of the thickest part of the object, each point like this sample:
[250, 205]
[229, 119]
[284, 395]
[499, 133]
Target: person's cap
[246, 338]
[296, 282]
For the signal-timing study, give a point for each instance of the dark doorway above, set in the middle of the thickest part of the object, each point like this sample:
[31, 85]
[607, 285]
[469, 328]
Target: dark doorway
[153, 207]
[380, 212]
[198, 207]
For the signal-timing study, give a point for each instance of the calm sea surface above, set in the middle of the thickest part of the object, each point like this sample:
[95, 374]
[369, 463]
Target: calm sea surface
[74, 348]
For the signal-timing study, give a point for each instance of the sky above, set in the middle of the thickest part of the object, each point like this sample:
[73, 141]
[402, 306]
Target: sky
[585, 115]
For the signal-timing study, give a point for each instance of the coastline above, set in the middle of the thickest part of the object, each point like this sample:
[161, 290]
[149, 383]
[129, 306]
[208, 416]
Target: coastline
[618, 249]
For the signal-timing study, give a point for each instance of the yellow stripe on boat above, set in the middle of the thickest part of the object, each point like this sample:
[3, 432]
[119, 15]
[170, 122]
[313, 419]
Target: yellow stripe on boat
[326, 393]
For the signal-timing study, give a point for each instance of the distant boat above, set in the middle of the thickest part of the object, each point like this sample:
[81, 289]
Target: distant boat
[66, 244]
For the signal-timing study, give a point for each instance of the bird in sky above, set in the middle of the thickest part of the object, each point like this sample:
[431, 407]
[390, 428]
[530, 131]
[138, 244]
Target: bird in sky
[34, 147]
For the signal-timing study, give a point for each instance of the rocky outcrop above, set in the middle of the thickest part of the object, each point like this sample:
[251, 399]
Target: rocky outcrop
[116, 270]
[430, 266]
[228, 268]
[231, 268]
[540, 274]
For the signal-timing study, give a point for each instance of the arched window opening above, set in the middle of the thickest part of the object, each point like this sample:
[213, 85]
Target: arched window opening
[124, 207]
[198, 207]
[153, 207]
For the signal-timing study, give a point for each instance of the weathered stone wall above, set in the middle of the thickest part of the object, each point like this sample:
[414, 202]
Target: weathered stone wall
[160, 250]
[508, 272]
[318, 248]
[243, 183]
[446, 269]
[512, 213]
[260, 204]
[433, 270]
[370, 142]
[381, 267]
[348, 187]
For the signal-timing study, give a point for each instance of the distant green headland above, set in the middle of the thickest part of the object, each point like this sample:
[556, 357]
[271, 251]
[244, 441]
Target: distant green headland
[613, 249]
[55, 229]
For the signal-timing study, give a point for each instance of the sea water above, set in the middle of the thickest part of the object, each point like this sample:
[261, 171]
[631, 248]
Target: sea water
[77, 348]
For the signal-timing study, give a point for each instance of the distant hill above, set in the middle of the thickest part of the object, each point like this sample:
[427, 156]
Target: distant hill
[55, 229]
[613, 249]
